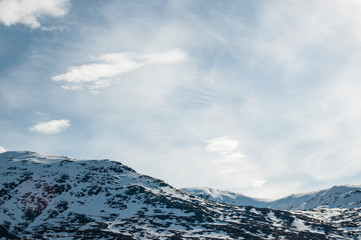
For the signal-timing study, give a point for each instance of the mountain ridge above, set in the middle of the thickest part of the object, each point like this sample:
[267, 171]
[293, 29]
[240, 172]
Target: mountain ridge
[48, 196]
[342, 196]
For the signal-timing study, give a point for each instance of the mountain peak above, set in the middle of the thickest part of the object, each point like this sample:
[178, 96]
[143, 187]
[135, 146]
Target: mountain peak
[32, 156]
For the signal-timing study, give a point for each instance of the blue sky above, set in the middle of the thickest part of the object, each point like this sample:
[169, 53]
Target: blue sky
[258, 97]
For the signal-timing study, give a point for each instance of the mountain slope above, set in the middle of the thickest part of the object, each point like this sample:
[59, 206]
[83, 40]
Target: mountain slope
[335, 197]
[225, 197]
[46, 196]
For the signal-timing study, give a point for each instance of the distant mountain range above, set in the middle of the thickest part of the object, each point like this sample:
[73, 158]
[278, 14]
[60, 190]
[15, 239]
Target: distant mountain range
[335, 197]
[55, 197]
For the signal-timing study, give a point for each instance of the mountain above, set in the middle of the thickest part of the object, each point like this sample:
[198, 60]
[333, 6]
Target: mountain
[226, 197]
[56, 197]
[335, 197]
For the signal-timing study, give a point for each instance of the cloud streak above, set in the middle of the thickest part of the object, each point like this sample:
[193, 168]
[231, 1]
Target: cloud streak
[51, 127]
[232, 165]
[108, 67]
[223, 145]
[29, 12]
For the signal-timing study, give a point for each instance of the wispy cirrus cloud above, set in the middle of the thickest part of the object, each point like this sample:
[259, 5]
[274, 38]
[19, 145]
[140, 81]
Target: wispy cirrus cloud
[289, 41]
[230, 157]
[232, 165]
[107, 67]
[51, 127]
[222, 145]
[29, 12]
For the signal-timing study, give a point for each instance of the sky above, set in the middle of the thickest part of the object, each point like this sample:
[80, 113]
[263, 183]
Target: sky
[256, 97]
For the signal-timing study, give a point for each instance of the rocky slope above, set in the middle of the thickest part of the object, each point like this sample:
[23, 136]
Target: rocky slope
[55, 197]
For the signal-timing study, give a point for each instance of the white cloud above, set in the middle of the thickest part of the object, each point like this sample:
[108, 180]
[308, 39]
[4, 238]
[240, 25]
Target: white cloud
[230, 157]
[258, 183]
[2, 149]
[233, 168]
[108, 66]
[51, 127]
[222, 144]
[29, 12]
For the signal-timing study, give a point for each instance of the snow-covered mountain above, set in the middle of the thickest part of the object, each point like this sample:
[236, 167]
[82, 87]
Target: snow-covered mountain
[335, 197]
[226, 197]
[54, 197]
